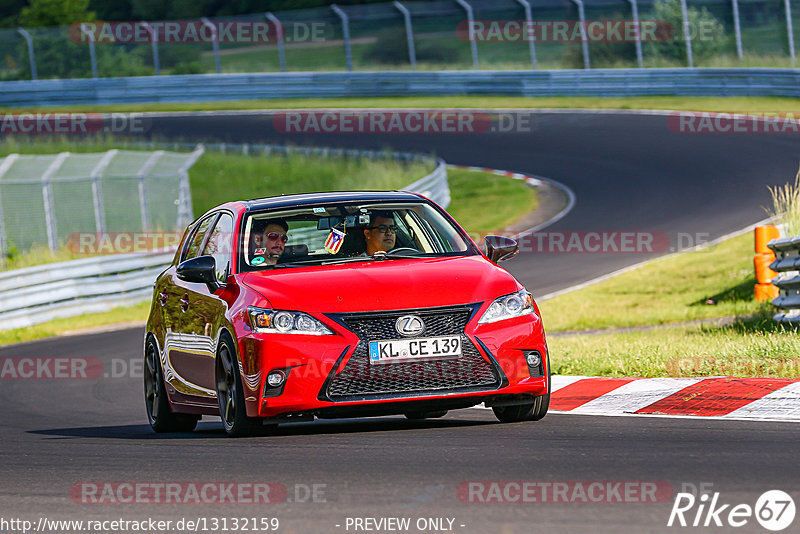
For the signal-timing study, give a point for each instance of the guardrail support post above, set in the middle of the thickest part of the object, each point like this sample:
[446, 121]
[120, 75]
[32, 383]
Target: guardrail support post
[638, 42]
[97, 190]
[412, 53]
[789, 29]
[529, 21]
[473, 45]
[5, 164]
[31, 57]
[737, 27]
[584, 39]
[214, 42]
[345, 34]
[144, 207]
[154, 44]
[185, 193]
[687, 34]
[278, 37]
[47, 197]
[92, 53]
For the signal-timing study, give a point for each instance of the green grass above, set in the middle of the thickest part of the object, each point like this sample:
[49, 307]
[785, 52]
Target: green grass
[751, 347]
[699, 103]
[486, 203]
[218, 178]
[671, 289]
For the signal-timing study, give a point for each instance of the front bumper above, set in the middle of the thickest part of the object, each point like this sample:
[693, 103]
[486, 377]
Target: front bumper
[326, 375]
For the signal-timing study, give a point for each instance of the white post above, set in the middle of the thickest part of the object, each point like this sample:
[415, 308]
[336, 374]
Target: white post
[584, 39]
[47, 196]
[154, 44]
[279, 36]
[737, 28]
[528, 31]
[412, 53]
[345, 34]
[97, 190]
[687, 33]
[789, 29]
[31, 57]
[92, 54]
[471, 21]
[185, 193]
[214, 42]
[144, 207]
[638, 42]
[6, 164]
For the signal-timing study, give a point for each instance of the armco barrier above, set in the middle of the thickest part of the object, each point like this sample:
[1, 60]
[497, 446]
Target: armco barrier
[38, 294]
[787, 265]
[588, 82]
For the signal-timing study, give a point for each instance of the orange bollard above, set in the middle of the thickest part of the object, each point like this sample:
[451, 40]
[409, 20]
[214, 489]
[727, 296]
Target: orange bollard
[765, 292]
[764, 274]
[765, 234]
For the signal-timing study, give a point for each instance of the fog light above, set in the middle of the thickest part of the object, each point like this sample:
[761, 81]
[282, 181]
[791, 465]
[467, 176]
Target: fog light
[275, 378]
[533, 359]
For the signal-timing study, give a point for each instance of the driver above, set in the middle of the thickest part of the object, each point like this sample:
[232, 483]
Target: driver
[381, 233]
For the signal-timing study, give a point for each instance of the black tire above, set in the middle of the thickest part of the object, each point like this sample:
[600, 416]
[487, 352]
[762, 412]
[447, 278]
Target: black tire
[414, 416]
[533, 411]
[159, 414]
[230, 394]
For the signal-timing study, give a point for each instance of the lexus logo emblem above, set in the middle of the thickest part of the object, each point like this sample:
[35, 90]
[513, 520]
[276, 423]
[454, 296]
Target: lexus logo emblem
[409, 325]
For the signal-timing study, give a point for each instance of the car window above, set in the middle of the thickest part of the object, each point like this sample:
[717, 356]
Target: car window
[197, 239]
[219, 246]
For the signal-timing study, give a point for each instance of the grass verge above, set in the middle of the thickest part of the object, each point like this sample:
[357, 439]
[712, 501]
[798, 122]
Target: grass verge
[712, 283]
[698, 103]
[471, 192]
[749, 347]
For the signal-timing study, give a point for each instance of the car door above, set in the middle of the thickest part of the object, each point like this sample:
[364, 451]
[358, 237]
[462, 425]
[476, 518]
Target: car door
[187, 354]
[205, 311]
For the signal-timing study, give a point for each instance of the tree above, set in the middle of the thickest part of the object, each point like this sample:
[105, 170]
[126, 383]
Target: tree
[706, 32]
[55, 13]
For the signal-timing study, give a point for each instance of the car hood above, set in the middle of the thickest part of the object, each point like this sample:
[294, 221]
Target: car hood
[383, 285]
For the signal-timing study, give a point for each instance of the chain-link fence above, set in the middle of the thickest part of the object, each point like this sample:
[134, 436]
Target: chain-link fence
[47, 200]
[438, 34]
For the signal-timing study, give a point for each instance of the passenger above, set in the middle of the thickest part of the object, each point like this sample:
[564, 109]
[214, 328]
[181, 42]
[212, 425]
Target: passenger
[268, 241]
[381, 233]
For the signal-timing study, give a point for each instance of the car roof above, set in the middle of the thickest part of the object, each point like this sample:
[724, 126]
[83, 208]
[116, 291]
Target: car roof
[287, 201]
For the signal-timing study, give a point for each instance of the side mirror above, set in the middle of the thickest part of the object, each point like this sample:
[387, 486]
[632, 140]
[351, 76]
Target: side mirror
[200, 270]
[500, 248]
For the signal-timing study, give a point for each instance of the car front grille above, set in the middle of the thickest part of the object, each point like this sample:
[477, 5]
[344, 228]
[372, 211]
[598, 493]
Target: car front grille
[361, 380]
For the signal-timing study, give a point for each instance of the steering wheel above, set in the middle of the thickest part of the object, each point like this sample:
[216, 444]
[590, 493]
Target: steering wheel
[403, 249]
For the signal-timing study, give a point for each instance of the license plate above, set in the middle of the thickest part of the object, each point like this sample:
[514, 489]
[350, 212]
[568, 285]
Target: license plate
[423, 348]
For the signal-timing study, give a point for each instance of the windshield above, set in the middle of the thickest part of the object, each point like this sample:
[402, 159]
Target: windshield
[337, 233]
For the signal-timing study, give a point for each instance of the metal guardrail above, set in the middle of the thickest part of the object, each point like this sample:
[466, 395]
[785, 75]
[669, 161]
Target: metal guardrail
[219, 87]
[37, 294]
[787, 265]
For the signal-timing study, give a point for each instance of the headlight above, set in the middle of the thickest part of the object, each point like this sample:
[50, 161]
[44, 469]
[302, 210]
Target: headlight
[513, 305]
[285, 322]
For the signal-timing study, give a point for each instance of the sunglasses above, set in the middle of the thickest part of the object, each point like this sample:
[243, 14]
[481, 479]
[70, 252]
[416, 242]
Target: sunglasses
[274, 236]
[383, 228]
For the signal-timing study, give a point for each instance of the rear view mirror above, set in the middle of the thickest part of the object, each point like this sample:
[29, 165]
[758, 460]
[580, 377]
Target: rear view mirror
[500, 248]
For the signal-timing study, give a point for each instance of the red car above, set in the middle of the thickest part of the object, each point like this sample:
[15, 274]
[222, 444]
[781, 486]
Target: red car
[339, 305]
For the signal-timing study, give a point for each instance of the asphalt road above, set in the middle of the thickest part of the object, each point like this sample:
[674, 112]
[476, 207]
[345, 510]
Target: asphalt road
[59, 433]
[628, 173]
